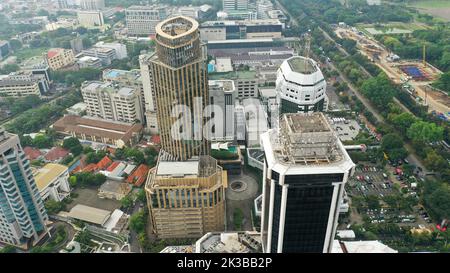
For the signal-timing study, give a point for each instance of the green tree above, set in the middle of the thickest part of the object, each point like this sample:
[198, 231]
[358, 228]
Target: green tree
[42, 141]
[138, 222]
[403, 121]
[8, 249]
[53, 207]
[126, 202]
[392, 145]
[425, 132]
[73, 145]
[379, 90]
[73, 181]
[373, 202]
[435, 162]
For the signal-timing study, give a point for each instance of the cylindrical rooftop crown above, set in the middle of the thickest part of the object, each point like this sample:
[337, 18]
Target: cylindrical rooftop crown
[178, 41]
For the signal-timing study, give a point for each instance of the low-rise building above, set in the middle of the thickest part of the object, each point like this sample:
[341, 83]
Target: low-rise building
[241, 29]
[89, 62]
[52, 181]
[226, 242]
[114, 190]
[120, 49]
[116, 134]
[106, 55]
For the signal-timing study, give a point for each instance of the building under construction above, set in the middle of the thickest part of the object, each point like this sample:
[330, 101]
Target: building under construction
[186, 198]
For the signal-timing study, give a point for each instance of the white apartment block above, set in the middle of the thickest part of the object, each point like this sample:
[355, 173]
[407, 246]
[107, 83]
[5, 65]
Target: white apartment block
[90, 18]
[109, 101]
[92, 4]
[142, 20]
[232, 5]
[23, 83]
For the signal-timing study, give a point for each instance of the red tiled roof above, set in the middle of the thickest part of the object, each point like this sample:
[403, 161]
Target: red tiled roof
[112, 166]
[105, 162]
[156, 139]
[32, 153]
[90, 168]
[56, 153]
[52, 53]
[139, 175]
[77, 169]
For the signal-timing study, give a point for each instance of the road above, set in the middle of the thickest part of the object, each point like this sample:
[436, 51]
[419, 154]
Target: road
[412, 157]
[133, 239]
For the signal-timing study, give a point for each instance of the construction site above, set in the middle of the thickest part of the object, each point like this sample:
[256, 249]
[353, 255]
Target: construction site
[415, 76]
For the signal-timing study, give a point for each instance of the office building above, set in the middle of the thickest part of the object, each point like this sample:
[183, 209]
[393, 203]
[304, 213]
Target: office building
[23, 217]
[222, 95]
[106, 55]
[90, 18]
[142, 20]
[186, 199]
[234, 5]
[179, 74]
[149, 95]
[245, 82]
[120, 49]
[92, 4]
[58, 58]
[112, 102]
[305, 170]
[52, 181]
[23, 83]
[301, 86]
[242, 29]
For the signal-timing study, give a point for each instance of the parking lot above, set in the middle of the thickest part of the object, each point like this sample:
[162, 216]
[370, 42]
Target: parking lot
[369, 180]
[88, 197]
[345, 128]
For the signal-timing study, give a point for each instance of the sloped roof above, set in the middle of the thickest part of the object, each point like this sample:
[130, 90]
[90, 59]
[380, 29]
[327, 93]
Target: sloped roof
[139, 175]
[32, 153]
[104, 162]
[56, 153]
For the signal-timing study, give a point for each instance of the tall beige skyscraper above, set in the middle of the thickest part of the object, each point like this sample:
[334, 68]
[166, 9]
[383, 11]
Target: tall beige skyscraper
[186, 189]
[180, 82]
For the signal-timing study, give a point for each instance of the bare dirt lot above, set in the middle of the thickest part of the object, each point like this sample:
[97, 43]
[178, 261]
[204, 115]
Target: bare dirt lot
[443, 13]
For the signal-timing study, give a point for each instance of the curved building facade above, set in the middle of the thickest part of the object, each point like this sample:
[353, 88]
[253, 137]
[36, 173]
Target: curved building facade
[301, 86]
[179, 77]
